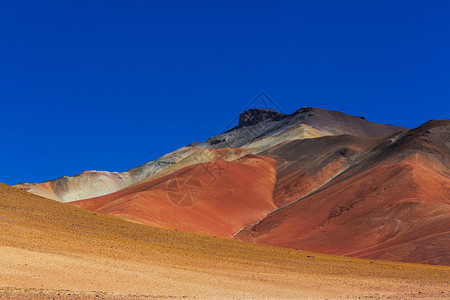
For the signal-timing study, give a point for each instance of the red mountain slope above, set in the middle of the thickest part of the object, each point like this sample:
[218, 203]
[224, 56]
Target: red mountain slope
[215, 198]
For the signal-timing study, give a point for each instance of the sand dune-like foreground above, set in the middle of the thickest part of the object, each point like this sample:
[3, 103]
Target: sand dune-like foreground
[48, 248]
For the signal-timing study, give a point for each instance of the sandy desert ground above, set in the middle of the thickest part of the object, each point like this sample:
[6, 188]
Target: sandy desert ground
[52, 250]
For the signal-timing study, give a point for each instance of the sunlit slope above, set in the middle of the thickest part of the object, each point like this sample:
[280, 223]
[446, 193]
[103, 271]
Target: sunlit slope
[49, 248]
[216, 198]
[93, 183]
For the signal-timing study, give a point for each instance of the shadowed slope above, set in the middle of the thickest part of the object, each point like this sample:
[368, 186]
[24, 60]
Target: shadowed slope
[215, 198]
[392, 204]
[305, 165]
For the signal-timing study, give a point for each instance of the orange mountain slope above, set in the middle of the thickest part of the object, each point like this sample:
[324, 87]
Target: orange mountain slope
[215, 198]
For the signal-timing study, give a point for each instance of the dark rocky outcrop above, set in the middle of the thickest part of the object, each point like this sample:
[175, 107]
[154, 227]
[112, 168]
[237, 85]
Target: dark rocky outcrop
[256, 115]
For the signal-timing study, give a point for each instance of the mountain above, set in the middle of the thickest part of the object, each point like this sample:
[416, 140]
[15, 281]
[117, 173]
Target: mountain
[314, 180]
[53, 250]
[257, 130]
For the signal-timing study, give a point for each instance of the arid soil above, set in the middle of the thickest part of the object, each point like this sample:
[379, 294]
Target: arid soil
[52, 250]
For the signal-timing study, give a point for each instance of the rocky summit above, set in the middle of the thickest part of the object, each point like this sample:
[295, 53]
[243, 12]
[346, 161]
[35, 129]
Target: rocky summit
[256, 115]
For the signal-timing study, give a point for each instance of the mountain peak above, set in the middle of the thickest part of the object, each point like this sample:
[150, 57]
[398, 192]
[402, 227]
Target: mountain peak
[256, 115]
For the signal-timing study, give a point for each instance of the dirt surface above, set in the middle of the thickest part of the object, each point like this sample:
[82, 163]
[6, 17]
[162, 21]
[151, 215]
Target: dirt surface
[52, 250]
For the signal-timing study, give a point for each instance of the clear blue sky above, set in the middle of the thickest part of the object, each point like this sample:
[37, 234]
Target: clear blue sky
[109, 85]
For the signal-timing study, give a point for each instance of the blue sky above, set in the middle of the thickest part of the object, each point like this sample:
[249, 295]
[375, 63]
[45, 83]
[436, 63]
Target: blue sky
[109, 85]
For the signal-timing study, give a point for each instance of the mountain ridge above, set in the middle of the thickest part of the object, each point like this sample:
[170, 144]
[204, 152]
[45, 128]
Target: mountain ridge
[260, 123]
